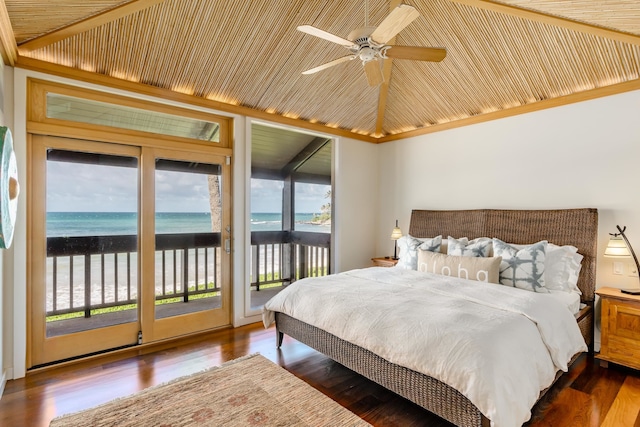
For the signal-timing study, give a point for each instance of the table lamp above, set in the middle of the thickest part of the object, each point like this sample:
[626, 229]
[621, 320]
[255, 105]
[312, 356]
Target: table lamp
[619, 247]
[395, 235]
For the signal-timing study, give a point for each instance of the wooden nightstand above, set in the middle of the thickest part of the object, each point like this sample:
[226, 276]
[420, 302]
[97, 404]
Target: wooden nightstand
[384, 262]
[620, 328]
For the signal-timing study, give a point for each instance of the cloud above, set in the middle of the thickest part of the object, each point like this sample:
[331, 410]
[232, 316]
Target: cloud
[266, 195]
[76, 187]
[311, 197]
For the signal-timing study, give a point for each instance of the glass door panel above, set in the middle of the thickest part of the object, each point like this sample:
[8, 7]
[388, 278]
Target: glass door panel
[84, 278]
[186, 247]
[91, 232]
[188, 226]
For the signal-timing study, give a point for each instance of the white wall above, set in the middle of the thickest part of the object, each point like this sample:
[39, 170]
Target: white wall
[356, 200]
[3, 376]
[579, 155]
[6, 255]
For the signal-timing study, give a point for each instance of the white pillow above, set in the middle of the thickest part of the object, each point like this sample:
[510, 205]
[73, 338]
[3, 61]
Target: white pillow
[479, 247]
[408, 245]
[522, 268]
[574, 272]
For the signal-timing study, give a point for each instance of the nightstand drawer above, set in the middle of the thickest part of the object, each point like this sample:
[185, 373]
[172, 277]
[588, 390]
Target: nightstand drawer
[625, 351]
[624, 320]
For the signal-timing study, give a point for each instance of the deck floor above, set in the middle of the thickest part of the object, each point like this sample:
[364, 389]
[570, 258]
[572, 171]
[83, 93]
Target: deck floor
[78, 324]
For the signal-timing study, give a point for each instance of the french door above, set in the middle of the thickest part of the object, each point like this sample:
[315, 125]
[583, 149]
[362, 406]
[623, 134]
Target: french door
[128, 245]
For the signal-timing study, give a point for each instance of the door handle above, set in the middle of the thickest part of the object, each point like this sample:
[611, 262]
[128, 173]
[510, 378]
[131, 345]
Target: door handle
[227, 241]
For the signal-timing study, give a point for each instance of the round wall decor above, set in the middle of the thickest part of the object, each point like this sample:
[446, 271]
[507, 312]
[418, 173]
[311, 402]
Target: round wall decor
[9, 187]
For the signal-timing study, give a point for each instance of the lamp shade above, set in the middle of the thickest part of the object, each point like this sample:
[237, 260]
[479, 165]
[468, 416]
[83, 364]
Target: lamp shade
[617, 248]
[396, 233]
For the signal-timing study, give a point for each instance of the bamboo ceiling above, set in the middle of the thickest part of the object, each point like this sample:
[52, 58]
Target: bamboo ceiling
[502, 56]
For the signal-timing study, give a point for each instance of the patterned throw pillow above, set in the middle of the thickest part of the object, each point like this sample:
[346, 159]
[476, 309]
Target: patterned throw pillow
[408, 247]
[562, 266]
[432, 245]
[523, 268]
[479, 247]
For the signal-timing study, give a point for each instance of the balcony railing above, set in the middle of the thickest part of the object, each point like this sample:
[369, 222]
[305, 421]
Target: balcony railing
[286, 256]
[94, 272]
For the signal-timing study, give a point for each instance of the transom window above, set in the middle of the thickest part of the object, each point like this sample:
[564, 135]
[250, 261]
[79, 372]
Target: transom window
[82, 110]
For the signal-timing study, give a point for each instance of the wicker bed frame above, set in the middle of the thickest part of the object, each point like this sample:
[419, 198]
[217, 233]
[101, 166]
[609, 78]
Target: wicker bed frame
[577, 227]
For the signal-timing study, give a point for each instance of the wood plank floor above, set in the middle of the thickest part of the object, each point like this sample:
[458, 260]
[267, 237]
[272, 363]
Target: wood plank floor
[587, 396]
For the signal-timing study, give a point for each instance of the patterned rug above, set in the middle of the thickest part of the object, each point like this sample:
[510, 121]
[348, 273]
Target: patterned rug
[250, 391]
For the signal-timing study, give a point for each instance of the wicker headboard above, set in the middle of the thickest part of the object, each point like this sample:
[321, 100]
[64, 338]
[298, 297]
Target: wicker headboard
[577, 227]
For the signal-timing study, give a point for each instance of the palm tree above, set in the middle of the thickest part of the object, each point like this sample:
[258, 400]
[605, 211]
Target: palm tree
[215, 203]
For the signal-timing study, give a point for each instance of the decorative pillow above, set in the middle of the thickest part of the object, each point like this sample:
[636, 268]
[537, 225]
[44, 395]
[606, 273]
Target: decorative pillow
[522, 268]
[408, 245]
[432, 245]
[479, 247]
[562, 266]
[472, 268]
[445, 243]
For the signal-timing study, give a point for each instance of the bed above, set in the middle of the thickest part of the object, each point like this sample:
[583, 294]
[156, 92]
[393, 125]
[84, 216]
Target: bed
[576, 227]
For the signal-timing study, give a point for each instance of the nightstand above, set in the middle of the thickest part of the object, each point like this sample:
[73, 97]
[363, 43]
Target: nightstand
[620, 328]
[384, 262]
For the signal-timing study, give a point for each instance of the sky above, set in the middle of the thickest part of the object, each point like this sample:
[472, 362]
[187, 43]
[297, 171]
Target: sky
[76, 187]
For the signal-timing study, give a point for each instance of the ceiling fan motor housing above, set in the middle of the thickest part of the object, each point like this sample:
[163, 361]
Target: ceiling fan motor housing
[366, 49]
[361, 35]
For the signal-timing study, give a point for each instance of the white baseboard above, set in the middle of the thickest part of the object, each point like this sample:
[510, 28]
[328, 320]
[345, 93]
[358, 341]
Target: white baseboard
[247, 320]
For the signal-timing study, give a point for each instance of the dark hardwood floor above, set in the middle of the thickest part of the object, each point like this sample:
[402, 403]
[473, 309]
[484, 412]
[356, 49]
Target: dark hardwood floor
[586, 396]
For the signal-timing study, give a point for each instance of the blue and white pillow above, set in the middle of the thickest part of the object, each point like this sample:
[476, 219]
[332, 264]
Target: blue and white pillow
[522, 268]
[432, 245]
[479, 247]
[408, 246]
[562, 266]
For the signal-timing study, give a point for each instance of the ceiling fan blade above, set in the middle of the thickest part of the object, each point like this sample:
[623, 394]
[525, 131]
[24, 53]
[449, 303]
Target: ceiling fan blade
[329, 64]
[373, 72]
[399, 18]
[324, 35]
[416, 53]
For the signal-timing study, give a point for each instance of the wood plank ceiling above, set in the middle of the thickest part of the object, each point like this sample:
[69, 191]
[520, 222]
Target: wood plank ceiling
[503, 57]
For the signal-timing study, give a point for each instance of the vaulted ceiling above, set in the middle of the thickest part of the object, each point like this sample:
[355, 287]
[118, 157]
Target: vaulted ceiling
[246, 56]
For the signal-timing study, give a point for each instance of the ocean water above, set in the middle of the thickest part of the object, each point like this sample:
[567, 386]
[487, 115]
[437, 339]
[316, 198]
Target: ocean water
[111, 223]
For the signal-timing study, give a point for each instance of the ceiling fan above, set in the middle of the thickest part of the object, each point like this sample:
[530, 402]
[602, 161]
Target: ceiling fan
[369, 44]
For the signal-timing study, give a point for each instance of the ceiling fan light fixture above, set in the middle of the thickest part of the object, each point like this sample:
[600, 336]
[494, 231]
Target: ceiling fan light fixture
[367, 54]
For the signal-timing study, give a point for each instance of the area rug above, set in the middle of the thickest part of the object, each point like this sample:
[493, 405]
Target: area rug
[250, 391]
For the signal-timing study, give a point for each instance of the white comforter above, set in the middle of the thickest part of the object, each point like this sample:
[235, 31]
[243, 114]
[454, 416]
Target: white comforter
[498, 346]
